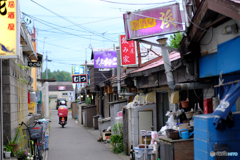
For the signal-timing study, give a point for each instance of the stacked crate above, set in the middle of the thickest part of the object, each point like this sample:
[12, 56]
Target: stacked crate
[205, 135]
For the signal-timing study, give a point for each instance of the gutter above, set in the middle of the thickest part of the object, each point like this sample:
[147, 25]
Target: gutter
[168, 70]
[119, 77]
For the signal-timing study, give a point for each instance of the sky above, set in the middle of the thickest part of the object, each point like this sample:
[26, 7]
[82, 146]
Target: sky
[66, 30]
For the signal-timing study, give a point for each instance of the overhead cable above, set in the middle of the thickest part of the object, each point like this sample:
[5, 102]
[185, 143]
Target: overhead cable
[134, 3]
[60, 29]
[73, 22]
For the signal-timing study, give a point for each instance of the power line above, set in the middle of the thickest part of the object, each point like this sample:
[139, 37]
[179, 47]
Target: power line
[72, 22]
[57, 45]
[59, 29]
[132, 3]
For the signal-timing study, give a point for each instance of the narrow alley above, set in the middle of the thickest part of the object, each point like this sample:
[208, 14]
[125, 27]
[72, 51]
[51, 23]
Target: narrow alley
[74, 142]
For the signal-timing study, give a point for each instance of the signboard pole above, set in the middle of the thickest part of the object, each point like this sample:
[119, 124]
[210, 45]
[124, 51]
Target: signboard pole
[1, 115]
[86, 83]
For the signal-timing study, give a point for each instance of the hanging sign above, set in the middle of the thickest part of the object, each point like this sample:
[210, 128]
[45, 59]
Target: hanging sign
[81, 78]
[127, 50]
[34, 64]
[9, 28]
[78, 70]
[105, 59]
[152, 22]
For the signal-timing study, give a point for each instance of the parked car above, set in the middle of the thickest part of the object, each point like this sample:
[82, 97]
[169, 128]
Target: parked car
[59, 101]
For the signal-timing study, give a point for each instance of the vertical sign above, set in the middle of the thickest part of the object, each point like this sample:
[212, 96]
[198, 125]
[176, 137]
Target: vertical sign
[127, 50]
[9, 29]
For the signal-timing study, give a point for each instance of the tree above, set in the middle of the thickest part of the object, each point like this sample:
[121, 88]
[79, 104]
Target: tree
[60, 76]
[174, 40]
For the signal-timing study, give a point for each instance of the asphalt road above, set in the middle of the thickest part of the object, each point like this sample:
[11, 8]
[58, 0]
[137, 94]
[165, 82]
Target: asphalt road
[74, 142]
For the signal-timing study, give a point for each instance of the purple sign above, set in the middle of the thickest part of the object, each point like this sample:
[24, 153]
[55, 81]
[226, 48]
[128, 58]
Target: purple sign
[105, 59]
[152, 22]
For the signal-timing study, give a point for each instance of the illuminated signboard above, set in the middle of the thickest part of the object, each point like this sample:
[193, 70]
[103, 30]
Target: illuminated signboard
[105, 59]
[78, 70]
[9, 29]
[152, 22]
[127, 50]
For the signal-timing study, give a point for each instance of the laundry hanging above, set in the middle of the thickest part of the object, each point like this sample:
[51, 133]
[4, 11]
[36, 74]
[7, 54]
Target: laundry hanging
[228, 99]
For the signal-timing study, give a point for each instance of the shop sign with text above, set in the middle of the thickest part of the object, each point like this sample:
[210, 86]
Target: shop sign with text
[152, 22]
[82, 78]
[9, 28]
[105, 59]
[127, 50]
[34, 64]
[78, 70]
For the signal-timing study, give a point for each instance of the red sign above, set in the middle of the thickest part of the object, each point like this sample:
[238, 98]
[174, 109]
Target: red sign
[61, 88]
[128, 56]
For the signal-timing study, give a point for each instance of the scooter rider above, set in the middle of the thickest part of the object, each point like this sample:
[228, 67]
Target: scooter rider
[62, 104]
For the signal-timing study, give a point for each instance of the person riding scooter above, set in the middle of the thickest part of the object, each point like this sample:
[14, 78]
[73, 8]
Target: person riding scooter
[62, 113]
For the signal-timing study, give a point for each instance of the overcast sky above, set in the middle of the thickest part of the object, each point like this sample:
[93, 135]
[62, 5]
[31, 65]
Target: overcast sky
[79, 23]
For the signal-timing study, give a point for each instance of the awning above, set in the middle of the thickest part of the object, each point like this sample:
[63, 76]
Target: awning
[27, 47]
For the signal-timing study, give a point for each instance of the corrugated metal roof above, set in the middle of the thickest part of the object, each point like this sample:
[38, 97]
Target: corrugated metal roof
[173, 56]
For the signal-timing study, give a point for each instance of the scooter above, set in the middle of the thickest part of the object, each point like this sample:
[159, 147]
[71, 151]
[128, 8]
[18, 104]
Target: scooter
[62, 114]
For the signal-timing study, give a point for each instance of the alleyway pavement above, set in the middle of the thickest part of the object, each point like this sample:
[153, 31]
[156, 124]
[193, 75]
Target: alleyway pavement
[74, 142]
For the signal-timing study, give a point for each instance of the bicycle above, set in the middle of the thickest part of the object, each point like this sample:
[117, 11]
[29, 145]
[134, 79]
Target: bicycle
[35, 133]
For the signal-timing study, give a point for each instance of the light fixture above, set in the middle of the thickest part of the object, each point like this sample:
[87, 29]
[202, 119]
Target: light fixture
[230, 29]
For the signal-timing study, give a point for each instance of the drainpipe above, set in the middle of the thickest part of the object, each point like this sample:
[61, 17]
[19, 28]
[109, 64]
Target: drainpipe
[168, 70]
[167, 64]
[119, 77]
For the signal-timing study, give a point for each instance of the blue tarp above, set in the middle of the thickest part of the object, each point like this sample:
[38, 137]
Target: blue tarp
[228, 96]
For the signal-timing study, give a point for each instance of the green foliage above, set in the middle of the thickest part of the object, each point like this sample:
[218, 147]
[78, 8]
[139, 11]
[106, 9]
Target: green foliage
[116, 140]
[23, 67]
[174, 40]
[60, 76]
[8, 147]
[21, 154]
[17, 139]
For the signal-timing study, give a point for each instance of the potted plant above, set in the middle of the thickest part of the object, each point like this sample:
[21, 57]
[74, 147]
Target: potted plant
[21, 154]
[14, 143]
[8, 150]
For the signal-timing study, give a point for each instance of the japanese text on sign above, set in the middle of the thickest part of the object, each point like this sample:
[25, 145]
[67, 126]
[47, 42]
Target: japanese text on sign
[82, 78]
[34, 64]
[105, 59]
[128, 56]
[153, 22]
[9, 27]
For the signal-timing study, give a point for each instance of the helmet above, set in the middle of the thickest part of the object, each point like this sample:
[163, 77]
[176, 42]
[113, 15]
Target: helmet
[62, 103]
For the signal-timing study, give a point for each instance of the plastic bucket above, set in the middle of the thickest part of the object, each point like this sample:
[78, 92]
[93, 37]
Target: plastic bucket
[183, 126]
[140, 152]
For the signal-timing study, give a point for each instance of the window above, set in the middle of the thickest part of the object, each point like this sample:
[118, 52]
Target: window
[64, 94]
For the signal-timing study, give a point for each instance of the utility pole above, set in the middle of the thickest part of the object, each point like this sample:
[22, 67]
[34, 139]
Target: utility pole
[47, 60]
[86, 73]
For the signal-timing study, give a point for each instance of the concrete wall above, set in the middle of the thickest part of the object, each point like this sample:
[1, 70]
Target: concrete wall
[59, 94]
[15, 98]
